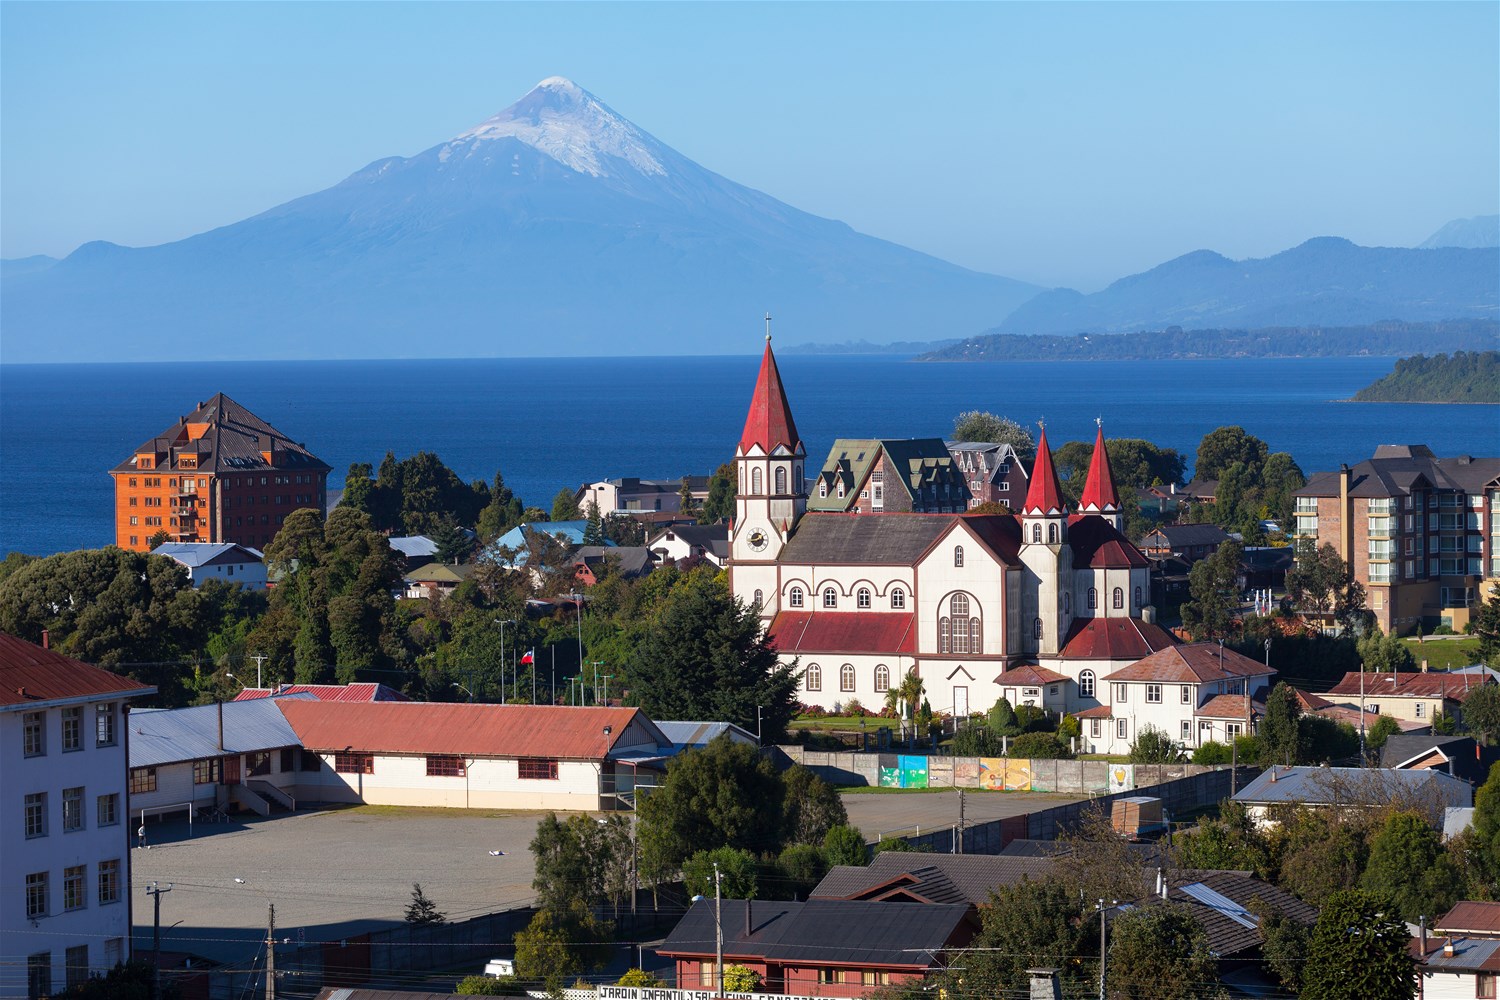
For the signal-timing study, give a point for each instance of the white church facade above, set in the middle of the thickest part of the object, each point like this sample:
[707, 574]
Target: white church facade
[1040, 607]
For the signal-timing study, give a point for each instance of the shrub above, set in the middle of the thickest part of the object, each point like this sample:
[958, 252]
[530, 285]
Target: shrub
[740, 979]
[484, 986]
[1069, 728]
[1154, 746]
[1040, 746]
[1032, 719]
[898, 845]
[975, 740]
[853, 708]
[639, 978]
[1211, 754]
[845, 845]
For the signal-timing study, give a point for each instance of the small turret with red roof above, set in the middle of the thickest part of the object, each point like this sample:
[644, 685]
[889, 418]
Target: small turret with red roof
[1099, 496]
[1044, 494]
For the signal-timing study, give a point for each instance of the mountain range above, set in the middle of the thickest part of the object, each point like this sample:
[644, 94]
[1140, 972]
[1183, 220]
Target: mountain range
[559, 227]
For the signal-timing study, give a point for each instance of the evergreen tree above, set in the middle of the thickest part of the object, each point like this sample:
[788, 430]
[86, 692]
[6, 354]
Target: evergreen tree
[1408, 865]
[565, 506]
[1029, 924]
[1482, 713]
[687, 504]
[721, 494]
[502, 513]
[1486, 625]
[737, 873]
[1209, 614]
[1160, 952]
[845, 845]
[422, 910]
[1385, 653]
[812, 806]
[1002, 719]
[1358, 951]
[593, 532]
[1225, 446]
[1280, 730]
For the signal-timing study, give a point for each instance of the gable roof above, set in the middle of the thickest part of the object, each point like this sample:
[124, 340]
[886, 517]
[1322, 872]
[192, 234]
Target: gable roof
[1397, 470]
[171, 735]
[709, 537]
[920, 462]
[1352, 786]
[1043, 493]
[1436, 684]
[844, 632]
[936, 878]
[889, 539]
[1099, 491]
[1460, 756]
[196, 554]
[1179, 535]
[1114, 639]
[1229, 706]
[31, 677]
[327, 692]
[1193, 663]
[1097, 544]
[223, 436]
[822, 932]
[769, 423]
[850, 461]
[1029, 674]
[474, 730]
[1220, 903]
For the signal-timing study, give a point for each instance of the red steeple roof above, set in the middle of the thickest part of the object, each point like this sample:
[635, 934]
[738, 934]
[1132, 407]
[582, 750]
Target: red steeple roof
[1099, 492]
[1044, 495]
[769, 422]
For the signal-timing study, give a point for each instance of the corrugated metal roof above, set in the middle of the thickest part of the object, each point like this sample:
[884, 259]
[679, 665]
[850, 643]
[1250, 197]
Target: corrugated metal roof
[1469, 955]
[844, 632]
[31, 676]
[415, 727]
[1352, 786]
[1438, 684]
[169, 735]
[1470, 917]
[357, 692]
[697, 734]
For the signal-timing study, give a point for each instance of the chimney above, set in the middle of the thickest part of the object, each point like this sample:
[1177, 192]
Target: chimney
[1044, 985]
[1346, 516]
[747, 918]
[1424, 665]
[46, 639]
[1448, 948]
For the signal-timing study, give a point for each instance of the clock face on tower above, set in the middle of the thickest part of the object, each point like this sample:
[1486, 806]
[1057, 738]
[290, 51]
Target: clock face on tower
[758, 540]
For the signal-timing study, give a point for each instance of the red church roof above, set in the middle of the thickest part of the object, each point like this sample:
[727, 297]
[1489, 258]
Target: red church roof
[844, 632]
[1099, 492]
[1114, 639]
[1044, 495]
[769, 423]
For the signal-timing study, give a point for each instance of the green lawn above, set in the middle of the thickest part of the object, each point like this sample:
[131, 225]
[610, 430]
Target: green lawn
[1444, 654]
[846, 723]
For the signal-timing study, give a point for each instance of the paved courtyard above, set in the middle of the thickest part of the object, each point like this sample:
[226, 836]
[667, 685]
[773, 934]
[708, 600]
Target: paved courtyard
[330, 873]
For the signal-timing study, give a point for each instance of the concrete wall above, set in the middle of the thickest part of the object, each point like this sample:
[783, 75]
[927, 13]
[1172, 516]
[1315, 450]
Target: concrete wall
[488, 784]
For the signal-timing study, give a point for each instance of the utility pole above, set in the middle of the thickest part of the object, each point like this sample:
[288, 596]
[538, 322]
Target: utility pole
[958, 839]
[554, 675]
[1102, 909]
[155, 892]
[270, 951]
[718, 931]
[258, 658]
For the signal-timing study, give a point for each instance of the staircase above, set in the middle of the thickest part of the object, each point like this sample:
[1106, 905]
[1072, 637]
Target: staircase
[274, 796]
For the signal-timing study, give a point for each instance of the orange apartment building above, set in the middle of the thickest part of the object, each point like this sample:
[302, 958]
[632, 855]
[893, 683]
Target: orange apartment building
[220, 474]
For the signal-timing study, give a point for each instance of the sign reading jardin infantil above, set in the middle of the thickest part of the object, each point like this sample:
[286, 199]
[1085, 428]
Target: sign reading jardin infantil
[648, 993]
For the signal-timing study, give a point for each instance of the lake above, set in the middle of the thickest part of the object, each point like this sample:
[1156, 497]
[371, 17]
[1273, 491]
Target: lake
[554, 422]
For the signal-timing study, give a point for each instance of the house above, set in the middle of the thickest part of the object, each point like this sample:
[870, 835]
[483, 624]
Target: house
[513, 548]
[906, 877]
[1222, 903]
[435, 579]
[863, 476]
[632, 495]
[864, 599]
[1196, 694]
[1460, 756]
[65, 839]
[328, 692]
[218, 561]
[1410, 697]
[468, 755]
[674, 543]
[994, 473]
[1188, 542]
[1460, 959]
[1418, 531]
[1200, 491]
[1352, 788]
[630, 562]
[1318, 705]
[219, 474]
[821, 947]
[234, 755]
[414, 549]
[1264, 567]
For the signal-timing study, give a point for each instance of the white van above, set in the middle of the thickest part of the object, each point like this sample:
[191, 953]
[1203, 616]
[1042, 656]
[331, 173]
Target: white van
[497, 967]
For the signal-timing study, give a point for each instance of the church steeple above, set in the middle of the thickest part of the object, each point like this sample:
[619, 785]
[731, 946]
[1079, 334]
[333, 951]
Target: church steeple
[772, 494]
[1044, 494]
[769, 423]
[1099, 496]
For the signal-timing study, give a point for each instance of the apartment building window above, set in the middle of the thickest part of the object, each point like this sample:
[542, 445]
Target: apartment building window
[74, 895]
[445, 766]
[537, 769]
[37, 891]
[142, 780]
[1153, 694]
[104, 725]
[34, 734]
[354, 763]
[72, 809]
[109, 881]
[206, 771]
[36, 815]
[1122, 693]
[72, 728]
[108, 812]
[813, 679]
[76, 966]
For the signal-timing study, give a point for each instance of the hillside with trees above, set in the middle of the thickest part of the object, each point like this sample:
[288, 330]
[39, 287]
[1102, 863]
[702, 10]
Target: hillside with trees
[1463, 377]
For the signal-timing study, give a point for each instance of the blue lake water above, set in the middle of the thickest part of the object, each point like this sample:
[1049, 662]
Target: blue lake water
[554, 422]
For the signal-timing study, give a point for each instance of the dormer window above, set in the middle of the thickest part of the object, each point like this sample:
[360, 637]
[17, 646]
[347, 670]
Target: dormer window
[823, 488]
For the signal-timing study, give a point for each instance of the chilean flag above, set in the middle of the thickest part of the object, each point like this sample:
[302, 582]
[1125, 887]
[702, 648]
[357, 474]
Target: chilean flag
[529, 657]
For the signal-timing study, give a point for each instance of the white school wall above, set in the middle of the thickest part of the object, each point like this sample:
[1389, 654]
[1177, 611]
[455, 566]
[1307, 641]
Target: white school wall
[489, 783]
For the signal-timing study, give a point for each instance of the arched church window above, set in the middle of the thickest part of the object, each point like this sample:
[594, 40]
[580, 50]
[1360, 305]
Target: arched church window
[976, 637]
[1052, 534]
[862, 599]
[830, 597]
[1093, 597]
[1119, 597]
[1086, 684]
[1037, 628]
[813, 679]
[960, 605]
[1036, 533]
[1138, 602]
[846, 677]
[898, 599]
[882, 677]
[1067, 603]
[755, 482]
[943, 635]
[760, 599]
[958, 555]
[794, 597]
[781, 480]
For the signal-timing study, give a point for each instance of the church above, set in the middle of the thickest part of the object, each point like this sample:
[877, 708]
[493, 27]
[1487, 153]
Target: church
[1040, 606]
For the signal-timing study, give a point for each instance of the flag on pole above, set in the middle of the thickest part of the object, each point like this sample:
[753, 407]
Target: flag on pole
[528, 658]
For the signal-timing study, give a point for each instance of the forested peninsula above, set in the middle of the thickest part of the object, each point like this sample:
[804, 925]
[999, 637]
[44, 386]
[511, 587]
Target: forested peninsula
[1463, 377]
[1393, 339]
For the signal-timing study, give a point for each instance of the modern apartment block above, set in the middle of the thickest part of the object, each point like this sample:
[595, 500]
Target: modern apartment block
[220, 474]
[1422, 533]
[64, 819]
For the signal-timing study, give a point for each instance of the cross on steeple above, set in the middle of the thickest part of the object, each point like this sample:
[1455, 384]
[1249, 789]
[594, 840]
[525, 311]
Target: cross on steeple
[768, 328]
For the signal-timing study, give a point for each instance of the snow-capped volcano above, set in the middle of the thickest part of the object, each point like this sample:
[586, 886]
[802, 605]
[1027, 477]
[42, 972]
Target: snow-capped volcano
[566, 122]
[555, 227]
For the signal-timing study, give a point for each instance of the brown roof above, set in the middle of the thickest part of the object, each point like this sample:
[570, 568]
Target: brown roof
[417, 727]
[1470, 917]
[31, 675]
[1439, 684]
[232, 440]
[1028, 673]
[1191, 664]
[1227, 706]
[1114, 639]
[1097, 712]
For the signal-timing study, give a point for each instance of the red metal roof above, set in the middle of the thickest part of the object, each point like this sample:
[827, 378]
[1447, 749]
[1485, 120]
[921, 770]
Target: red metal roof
[1099, 492]
[1470, 917]
[769, 422]
[1438, 684]
[1029, 673]
[1191, 664]
[328, 692]
[31, 675]
[1097, 544]
[844, 632]
[1114, 639]
[417, 727]
[1097, 712]
[1044, 494]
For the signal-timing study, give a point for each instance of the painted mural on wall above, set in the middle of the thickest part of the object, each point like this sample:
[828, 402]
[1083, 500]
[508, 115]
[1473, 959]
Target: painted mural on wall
[1122, 777]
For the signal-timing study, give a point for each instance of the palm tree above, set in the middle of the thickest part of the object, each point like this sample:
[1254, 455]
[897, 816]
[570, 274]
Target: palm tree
[905, 698]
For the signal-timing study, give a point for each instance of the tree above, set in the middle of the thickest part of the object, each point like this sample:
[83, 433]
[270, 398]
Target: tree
[1385, 653]
[1279, 731]
[1002, 719]
[132, 980]
[1381, 730]
[721, 495]
[1221, 448]
[811, 806]
[703, 656]
[1212, 584]
[799, 870]
[1482, 713]
[1322, 583]
[359, 487]
[1285, 944]
[1160, 952]
[975, 740]
[687, 504]
[557, 945]
[487, 986]
[1229, 841]
[896, 845]
[1154, 746]
[737, 873]
[1025, 925]
[1409, 866]
[1479, 847]
[845, 845]
[981, 425]
[565, 506]
[581, 862]
[740, 979]
[639, 978]
[1358, 951]
[1134, 464]
[453, 543]
[1486, 625]
[1318, 854]
[1279, 479]
[593, 531]
[502, 513]
[1212, 754]
[413, 495]
[724, 795]
[422, 910]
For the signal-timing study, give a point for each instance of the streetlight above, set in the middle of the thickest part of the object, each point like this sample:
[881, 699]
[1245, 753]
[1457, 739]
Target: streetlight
[578, 601]
[502, 622]
[270, 937]
[464, 690]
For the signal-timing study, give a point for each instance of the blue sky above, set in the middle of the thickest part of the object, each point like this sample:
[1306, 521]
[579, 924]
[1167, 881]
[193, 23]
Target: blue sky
[1066, 144]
